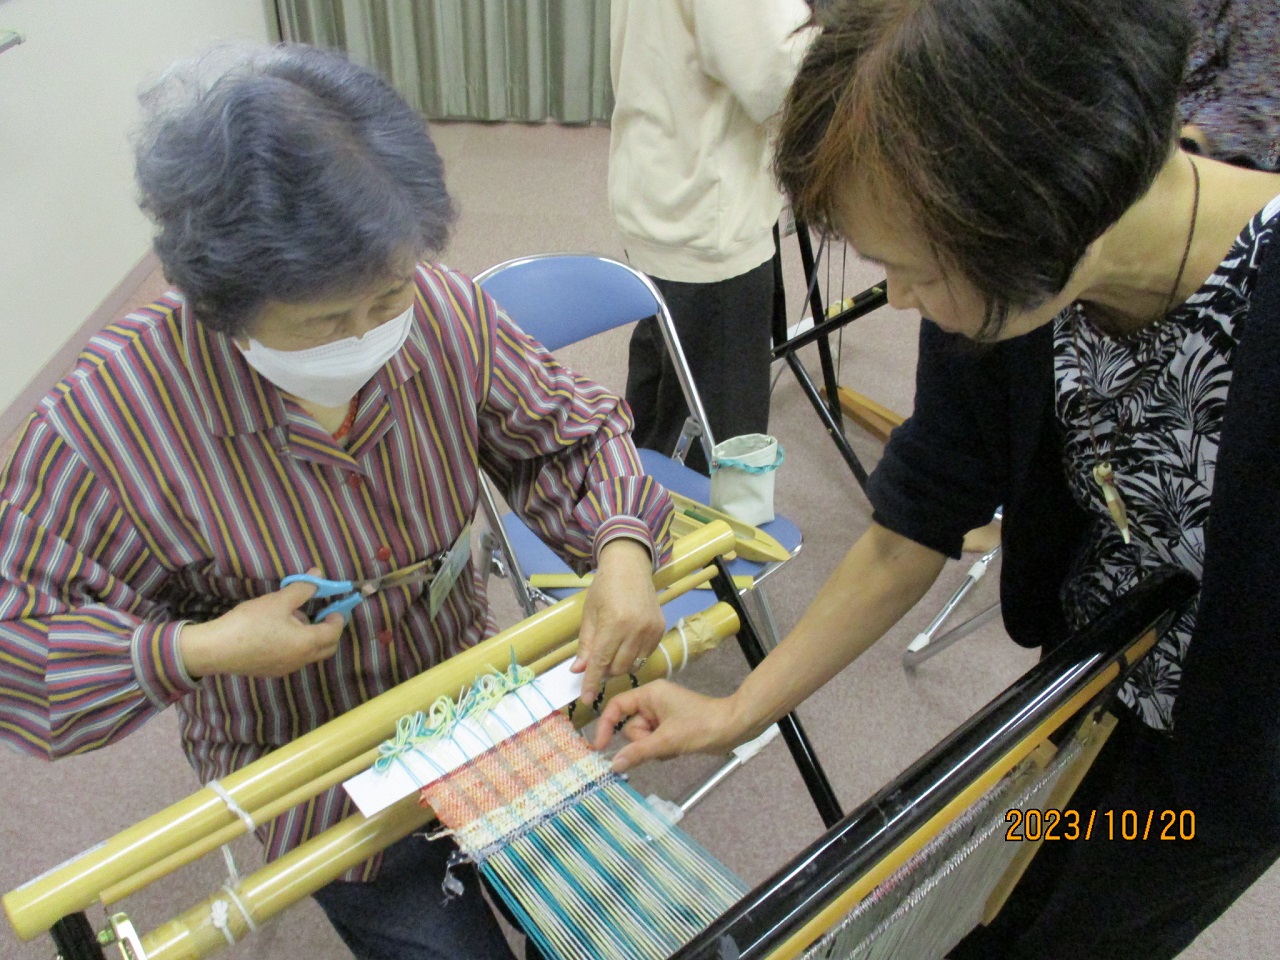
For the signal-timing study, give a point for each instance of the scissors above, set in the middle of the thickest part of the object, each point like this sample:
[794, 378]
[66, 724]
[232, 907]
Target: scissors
[353, 592]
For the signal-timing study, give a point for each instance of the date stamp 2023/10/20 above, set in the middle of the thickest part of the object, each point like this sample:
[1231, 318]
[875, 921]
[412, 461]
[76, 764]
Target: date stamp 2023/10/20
[1035, 824]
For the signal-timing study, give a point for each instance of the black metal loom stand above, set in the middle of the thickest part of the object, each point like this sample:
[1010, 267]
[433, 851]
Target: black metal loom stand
[74, 937]
[815, 778]
[786, 349]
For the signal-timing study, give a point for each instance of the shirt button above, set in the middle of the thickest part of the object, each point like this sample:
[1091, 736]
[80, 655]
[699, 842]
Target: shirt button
[386, 637]
[354, 481]
[383, 553]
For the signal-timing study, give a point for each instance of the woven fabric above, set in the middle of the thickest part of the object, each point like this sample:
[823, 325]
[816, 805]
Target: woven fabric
[582, 861]
[498, 794]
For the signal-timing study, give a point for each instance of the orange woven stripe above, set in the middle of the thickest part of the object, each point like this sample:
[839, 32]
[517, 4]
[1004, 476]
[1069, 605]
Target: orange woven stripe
[499, 776]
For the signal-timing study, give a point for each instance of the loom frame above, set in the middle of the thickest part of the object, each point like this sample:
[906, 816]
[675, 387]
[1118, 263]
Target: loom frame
[774, 920]
[57, 900]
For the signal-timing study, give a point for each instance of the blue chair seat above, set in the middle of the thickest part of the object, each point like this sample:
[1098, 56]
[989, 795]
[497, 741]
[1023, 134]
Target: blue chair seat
[560, 299]
[692, 484]
[536, 557]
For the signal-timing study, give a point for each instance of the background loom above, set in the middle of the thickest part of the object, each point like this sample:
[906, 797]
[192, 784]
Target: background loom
[821, 897]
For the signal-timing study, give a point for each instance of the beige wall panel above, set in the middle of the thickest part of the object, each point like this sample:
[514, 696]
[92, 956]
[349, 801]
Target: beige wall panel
[70, 230]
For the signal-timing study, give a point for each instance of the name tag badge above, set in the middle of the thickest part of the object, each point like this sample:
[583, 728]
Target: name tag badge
[450, 567]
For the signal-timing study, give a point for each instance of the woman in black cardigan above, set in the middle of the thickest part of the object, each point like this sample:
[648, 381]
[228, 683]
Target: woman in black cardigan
[1014, 166]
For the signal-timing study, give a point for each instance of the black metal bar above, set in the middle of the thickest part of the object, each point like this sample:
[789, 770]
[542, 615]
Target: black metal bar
[74, 938]
[809, 263]
[828, 410]
[829, 379]
[780, 906]
[872, 298]
[779, 328]
[815, 778]
[834, 430]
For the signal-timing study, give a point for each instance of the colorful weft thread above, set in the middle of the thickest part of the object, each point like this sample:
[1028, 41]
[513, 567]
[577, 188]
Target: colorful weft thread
[424, 729]
[588, 868]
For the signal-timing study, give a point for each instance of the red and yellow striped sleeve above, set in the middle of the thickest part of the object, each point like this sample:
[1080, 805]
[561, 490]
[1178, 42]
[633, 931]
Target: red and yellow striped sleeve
[84, 659]
[560, 446]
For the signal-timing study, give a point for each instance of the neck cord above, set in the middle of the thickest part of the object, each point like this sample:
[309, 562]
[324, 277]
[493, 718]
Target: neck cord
[1103, 469]
[349, 420]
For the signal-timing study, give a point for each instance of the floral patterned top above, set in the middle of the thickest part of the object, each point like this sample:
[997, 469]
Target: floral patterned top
[1152, 404]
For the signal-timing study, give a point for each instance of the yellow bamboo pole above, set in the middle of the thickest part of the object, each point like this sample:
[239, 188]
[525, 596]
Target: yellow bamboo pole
[193, 935]
[207, 844]
[34, 907]
[299, 873]
[752, 543]
[571, 581]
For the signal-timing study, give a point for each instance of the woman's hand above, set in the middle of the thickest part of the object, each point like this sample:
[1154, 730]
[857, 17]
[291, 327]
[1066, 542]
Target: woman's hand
[264, 637]
[621, 617]
[881, 577]
[663, 720]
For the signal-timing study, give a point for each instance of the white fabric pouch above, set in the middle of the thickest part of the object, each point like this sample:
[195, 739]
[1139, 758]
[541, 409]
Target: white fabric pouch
[742, 481]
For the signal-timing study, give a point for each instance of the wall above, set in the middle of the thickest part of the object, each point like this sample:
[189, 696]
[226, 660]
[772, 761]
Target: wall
[70, 231]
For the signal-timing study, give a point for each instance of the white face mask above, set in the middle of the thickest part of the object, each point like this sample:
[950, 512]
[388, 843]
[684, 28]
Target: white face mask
[330, 375]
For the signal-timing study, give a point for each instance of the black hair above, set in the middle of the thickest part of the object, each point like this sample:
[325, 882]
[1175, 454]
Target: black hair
[289, 174]
[1012, 133]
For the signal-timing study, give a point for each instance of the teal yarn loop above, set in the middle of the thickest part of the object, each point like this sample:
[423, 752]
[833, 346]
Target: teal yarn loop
[723, 462]
[423, 730]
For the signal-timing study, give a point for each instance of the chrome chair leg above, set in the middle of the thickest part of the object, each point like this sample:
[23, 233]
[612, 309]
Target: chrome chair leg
[762, 615]
[927, 643]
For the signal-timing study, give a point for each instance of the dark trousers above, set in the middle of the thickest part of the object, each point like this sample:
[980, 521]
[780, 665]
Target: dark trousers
[725, 329]
[403, 914]
[1115, 899]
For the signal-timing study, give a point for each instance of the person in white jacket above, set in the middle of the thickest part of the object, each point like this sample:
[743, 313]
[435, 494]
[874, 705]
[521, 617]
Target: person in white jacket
[696, 85]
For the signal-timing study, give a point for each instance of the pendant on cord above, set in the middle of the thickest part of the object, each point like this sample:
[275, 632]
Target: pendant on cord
[1106, 479]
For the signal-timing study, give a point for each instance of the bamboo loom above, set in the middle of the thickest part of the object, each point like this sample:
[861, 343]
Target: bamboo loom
[319, 760]
[872, 853]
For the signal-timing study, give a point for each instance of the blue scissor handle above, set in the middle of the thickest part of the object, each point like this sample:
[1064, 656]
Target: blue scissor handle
[329, 588]
[343, 606]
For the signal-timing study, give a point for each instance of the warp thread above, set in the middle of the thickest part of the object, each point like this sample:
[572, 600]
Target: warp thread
[579, 857]
[926, 906]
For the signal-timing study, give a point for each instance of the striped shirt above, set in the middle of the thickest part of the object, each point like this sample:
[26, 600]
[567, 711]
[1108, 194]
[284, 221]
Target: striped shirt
[165, 481]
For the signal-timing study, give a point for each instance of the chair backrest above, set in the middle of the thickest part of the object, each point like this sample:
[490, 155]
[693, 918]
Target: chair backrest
[561, 298]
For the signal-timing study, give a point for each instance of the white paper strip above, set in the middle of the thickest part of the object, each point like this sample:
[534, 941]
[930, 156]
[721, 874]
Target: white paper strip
[373, 791]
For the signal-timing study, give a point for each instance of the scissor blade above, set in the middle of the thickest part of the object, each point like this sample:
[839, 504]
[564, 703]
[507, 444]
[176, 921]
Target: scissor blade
[414, 573]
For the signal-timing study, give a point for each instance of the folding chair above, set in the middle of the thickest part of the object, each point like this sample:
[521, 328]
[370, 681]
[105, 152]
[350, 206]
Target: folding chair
[929, 642]
[560, 299]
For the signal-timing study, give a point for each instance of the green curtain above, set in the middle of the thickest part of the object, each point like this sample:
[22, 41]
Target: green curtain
[473, 59]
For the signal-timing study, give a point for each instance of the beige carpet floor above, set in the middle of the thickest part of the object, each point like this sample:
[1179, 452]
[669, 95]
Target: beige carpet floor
[526, 189]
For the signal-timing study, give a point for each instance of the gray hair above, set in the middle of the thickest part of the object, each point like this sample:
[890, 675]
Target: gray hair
[284, 174]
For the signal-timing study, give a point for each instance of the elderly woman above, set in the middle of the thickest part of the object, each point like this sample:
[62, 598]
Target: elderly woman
[1014, 167]
[313, 395]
